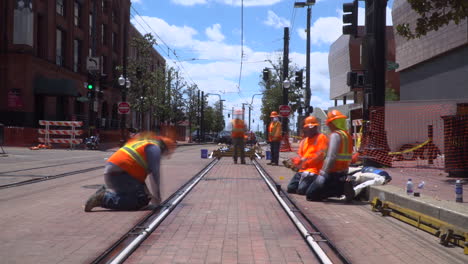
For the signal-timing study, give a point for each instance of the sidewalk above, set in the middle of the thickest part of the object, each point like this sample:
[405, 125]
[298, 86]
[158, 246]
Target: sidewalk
[365, 236]
[229, 217]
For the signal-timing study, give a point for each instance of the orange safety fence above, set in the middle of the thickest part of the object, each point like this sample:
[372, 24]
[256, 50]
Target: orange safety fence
[416, 135]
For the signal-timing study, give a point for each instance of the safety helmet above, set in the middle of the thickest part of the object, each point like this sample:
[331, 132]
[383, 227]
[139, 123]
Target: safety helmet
[168, 145]
[333, 115]
[274, 114]
[310, 122]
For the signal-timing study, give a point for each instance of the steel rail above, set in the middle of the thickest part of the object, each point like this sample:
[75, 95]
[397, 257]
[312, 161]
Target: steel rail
[143, 229]
[298, 210]
[46, 178]
[310, 240]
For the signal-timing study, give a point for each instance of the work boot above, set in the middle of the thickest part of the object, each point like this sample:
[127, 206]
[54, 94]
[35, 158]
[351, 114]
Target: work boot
[235, 161]
[349, 191]
[242, 161]
[96, 199]
[270, 163]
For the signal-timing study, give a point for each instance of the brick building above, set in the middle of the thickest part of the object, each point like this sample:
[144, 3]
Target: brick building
[43, 54]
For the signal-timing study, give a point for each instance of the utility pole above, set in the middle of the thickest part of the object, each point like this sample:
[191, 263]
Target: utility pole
[198, 117]
[285, 76]
[202, 125]
[308, 92]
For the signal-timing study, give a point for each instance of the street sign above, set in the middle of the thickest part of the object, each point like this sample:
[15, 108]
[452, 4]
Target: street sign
[92, 63]
[284, 110]
[124, 108]
[391, 65]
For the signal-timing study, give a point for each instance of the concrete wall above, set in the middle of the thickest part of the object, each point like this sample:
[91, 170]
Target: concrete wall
[443, 77]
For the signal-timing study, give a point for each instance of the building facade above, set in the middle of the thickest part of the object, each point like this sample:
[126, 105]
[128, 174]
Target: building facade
[345, 56]
[45, 57]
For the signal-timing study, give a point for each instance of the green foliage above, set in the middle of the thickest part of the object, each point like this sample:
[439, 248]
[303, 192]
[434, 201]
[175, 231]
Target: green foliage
[273, 91]
[434, 14]
[390, 93]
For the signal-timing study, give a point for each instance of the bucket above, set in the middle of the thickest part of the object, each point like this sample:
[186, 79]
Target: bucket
[204, 153]
[268, 155]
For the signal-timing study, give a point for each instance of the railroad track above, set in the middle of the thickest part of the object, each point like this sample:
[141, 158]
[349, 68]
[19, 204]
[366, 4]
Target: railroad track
[322, 247]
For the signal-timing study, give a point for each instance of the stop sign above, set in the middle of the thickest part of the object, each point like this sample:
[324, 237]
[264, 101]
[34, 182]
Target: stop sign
[284, 110]
[124, 108]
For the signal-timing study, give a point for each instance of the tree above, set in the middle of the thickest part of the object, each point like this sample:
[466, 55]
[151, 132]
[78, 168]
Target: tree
[434, 15]
[273, 91]
[191, 105]
[390, 93]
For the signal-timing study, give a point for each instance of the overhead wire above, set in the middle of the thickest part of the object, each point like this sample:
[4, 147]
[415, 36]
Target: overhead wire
[164, 43]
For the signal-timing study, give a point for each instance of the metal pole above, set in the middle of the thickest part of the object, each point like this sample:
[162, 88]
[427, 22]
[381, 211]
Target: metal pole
[285, 75]
[308, 92]
[198, 117]
[250, 108]
[202, 124]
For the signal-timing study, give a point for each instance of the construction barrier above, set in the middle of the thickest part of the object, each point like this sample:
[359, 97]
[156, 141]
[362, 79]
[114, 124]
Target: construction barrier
[429, 135]
[47, 132]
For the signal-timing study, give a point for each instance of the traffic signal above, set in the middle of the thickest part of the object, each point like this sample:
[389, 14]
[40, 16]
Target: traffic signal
[298, 79]
[90, 86]
[350, 18]
[266, 75]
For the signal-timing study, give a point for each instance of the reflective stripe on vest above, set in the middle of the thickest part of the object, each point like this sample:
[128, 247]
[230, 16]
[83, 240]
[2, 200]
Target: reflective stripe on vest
[345, 153]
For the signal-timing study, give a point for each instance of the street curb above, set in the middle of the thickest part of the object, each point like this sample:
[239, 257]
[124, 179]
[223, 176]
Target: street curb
[447, 211]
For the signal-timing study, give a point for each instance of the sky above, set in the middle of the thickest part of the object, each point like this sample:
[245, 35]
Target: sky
[204, 39]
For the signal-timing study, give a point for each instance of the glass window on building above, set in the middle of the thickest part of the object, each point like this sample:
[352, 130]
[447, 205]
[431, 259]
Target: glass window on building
[77, 14]
[60, 47]
[60, 7]
[90, 24]
[114, 41]
[76, 55]
[103, 34]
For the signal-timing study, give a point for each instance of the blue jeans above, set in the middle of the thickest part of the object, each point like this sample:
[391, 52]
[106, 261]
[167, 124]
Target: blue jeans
[324, 186]
[128, 193]
[275, 148]
[300, 182]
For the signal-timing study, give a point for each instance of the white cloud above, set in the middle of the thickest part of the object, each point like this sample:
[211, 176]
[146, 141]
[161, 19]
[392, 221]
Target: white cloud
[214, 33]
[189, 2]
[176, 36]
[275, 21]
[324, 31]
[362, 15]
[227, 2]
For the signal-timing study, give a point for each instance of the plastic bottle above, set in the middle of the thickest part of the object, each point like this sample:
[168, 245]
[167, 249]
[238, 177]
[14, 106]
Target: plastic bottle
[458, 191]
[409, 187]
[421, 185]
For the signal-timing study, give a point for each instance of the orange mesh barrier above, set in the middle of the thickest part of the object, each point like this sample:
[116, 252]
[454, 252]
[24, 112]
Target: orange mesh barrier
[417, 135]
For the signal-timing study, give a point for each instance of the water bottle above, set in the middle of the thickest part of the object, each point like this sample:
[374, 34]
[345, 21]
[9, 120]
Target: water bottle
[458, 191]
[421, 185]
[409, 187]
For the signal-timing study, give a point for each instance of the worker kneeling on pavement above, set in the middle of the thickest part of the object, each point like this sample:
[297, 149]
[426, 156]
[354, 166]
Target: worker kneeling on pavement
[126, 171]
[333, 180]
[311, 154]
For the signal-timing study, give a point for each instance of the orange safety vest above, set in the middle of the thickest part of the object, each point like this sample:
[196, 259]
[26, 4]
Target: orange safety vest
[314, 150]
[238, 128]
[274, 131]
[343, 158]
[132, 158]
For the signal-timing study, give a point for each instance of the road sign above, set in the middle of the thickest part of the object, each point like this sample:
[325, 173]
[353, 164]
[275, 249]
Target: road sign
[391, 65]
[124, 108]
[284, 110]
[92, 63]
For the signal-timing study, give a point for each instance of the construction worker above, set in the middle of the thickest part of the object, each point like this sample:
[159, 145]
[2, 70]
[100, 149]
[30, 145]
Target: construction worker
[274, 137]
[237, 134]
[126, 171]
[311, 154]
[333, 180]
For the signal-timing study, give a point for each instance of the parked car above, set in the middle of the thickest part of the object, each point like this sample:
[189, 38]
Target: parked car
[224, 137]
[208, 137]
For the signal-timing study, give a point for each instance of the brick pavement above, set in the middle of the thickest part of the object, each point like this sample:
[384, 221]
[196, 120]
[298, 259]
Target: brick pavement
[366, 237]
[45, 222]
[229, 217]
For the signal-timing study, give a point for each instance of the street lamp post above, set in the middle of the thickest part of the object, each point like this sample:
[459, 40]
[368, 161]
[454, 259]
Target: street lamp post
[124, 86]
[308, 93]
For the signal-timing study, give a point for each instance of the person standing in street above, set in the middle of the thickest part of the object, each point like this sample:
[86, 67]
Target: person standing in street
[311, 154]
[274, 137]
[333, 180]
[238, 134]
[126, 172]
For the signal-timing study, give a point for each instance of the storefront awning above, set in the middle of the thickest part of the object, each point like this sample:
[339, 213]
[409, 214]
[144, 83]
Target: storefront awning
[55, 87]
